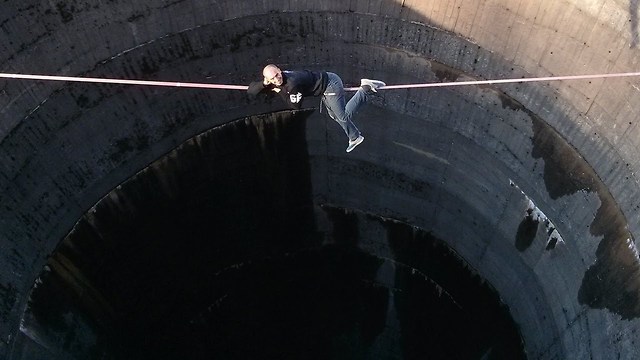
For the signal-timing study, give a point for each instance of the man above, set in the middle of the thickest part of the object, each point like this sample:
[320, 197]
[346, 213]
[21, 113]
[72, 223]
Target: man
[294, 85]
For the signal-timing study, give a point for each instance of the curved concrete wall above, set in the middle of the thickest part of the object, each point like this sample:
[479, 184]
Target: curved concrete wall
[465, 163]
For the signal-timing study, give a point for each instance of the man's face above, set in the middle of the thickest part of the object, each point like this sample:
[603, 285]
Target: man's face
[273, 75]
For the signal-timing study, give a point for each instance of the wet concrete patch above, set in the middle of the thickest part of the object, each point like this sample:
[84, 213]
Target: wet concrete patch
[613, 281]
[565, 171]
[445, 73]
[528, 228]
[527, 231]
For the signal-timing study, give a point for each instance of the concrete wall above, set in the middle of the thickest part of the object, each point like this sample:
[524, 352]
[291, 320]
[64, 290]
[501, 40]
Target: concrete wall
[482, 153]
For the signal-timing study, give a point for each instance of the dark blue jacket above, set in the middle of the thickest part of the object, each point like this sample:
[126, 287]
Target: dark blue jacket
[295, 86]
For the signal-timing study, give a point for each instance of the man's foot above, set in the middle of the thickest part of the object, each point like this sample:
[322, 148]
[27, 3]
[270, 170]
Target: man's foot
[372, 84]
[354, 143]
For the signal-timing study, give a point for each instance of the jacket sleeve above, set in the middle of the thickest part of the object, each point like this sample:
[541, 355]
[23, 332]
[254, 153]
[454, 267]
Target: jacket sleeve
[255, 88]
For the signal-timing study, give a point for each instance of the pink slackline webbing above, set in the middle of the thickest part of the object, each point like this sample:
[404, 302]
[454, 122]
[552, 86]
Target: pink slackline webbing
[244, 87]
[123, 81]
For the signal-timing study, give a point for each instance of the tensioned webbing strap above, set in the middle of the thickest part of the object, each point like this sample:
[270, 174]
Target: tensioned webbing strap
[244, 87]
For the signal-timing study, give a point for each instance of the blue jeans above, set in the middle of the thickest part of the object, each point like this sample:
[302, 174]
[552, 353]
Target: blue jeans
[334, 101]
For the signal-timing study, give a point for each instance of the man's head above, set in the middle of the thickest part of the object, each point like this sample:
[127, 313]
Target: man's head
[272, 75]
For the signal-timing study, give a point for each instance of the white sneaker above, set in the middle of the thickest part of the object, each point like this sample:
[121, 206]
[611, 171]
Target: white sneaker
[354, 143]
[373, 84]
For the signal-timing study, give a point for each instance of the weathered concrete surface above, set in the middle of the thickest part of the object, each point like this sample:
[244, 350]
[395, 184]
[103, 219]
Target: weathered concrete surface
[463, 163]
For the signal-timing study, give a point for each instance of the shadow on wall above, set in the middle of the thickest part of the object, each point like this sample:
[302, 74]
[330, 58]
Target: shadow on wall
[633, 21]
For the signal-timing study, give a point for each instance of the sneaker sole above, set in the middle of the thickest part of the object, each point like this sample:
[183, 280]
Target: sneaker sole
[373, 84]
[353, 146]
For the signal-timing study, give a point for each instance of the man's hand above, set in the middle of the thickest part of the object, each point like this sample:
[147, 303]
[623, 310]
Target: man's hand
[270, 85]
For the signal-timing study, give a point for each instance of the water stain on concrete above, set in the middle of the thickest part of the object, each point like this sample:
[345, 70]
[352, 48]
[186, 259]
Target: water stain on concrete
[613, 281]
[527, 231]
[445, 73]
[565, 171]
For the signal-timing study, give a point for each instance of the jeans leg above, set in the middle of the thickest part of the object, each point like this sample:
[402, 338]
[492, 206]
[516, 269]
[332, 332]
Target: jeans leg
[354, 104]
[336, 106]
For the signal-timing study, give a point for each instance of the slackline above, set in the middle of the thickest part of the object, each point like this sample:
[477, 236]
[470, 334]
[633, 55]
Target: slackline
[244, 87]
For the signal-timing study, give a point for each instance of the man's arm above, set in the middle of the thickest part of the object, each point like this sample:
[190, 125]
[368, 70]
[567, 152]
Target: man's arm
[269, 90]
[257, 87]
